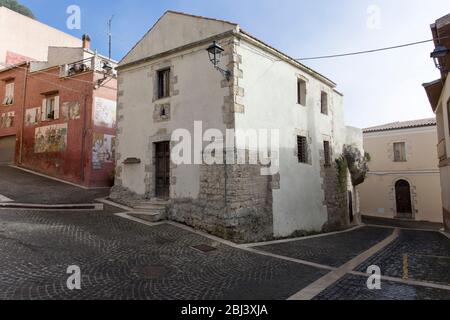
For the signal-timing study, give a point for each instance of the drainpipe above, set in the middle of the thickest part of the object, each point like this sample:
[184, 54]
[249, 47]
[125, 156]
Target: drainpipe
[22, 123]
[83, 139]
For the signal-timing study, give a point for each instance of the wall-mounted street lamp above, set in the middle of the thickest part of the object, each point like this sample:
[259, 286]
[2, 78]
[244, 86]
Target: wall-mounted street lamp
[438, 53]
[215, 53]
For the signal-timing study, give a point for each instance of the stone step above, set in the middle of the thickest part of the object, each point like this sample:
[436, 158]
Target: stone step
[150, 217]
[149, 207]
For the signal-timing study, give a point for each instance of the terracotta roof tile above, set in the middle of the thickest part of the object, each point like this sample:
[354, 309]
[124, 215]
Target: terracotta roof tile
[402, 125]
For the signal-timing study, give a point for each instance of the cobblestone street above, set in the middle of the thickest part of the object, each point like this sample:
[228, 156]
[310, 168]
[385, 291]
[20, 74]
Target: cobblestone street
[123, 259]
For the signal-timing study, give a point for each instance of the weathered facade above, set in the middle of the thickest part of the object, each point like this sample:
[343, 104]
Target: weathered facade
[167, 83]
[439, 95]
[403, 181]
[64, 116]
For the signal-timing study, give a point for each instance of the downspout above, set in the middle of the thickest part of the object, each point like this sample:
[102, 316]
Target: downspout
[83, 140]
[22, 124]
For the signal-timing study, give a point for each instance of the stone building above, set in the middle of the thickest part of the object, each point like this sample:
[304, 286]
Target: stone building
[167, 82]
[403, 181]
[438, 93]
[58, 117]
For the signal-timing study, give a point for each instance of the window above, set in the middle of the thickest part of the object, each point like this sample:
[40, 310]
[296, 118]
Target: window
[50, 108]
[399, 152]
[324, 103]
[301, 92]
[9, 93]
[302, 146]
[163, 83]
[327, 153]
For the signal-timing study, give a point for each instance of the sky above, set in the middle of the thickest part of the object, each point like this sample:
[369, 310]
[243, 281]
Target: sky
[378, 88]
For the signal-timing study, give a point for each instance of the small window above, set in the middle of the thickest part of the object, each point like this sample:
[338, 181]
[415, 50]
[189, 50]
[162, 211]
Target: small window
[163, 83]
[302, 146]
[399, 152]
[9, 93]
[324, 103]
[301, 92]
[327, 153]
[50, 108]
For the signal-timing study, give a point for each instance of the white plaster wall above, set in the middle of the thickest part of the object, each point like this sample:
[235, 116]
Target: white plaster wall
[29, 37]
[271, 102]
[200, 98]
[174, 30]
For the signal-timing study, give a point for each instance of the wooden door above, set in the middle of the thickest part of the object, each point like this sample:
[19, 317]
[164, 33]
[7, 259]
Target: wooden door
[162, 169]
[403, 199]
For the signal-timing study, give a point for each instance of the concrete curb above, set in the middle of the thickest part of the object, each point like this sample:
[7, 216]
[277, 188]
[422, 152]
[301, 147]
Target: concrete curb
[54, 207]
[262, 244]
[57, 179]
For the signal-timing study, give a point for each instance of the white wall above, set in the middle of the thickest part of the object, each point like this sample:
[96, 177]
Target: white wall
[200, 99]
[29, 37]
[271, 102]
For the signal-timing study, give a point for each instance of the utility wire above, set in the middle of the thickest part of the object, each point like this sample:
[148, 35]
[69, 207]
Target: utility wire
[371, 51]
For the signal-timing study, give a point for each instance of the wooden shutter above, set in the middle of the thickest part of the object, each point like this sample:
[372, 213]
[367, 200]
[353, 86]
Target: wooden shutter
[56, 108]
[44, 110]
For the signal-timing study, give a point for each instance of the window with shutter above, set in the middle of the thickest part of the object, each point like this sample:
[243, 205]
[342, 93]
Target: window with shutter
[9, 93]
[327, 153]
[301, 92]
[302, 146]
[50, 108]
[163, 83]
[399, 151]
[324, 103]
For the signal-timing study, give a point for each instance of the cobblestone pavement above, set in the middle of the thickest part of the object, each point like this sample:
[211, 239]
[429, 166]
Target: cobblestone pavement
[415, 255]
[24, 187]
[354, 288]
[334, 250]
[121, 259]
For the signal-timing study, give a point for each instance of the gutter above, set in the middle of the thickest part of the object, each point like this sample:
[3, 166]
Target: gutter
[22, 124]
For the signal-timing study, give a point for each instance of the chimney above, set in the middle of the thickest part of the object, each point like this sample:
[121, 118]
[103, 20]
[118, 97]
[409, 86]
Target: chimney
[86, 41]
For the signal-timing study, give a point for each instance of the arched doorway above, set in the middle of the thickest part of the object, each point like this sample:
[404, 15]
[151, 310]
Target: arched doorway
[403, 199]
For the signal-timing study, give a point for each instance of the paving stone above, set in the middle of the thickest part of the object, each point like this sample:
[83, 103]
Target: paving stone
[334, 250]
[428, 257]
[121, 259]
[24, 187]
[355, 288]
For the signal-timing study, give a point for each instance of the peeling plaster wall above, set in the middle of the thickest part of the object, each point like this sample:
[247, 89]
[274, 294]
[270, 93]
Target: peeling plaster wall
[270, 102]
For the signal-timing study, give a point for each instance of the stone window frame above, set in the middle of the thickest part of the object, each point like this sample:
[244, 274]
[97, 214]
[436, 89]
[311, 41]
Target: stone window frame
[324, 107]
[302, 149]
[302, 90]
[390, 149]
[303, 133]
[162, 113]
[173, 79]
[150, 166]
[163, 83]
[393, 198]
[404, 157]
[327, 156]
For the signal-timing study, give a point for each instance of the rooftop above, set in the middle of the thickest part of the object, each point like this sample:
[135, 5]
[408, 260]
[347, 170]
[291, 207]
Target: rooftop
[402, 125]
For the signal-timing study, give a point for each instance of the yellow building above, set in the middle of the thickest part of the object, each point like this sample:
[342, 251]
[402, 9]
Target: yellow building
[403, 181]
